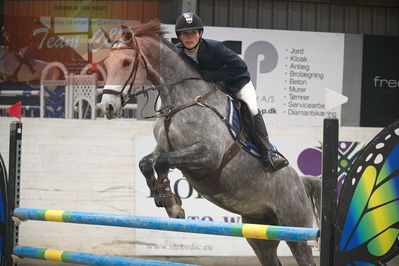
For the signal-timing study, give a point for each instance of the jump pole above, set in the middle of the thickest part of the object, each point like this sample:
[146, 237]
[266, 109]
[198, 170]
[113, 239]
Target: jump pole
[270, 232]
[84, 258]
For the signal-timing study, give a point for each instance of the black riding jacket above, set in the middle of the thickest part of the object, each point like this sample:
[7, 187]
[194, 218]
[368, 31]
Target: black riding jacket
[218, 63]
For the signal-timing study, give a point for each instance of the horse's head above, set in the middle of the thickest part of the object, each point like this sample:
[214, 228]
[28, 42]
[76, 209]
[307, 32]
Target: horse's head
[127, 68]
[143, 57]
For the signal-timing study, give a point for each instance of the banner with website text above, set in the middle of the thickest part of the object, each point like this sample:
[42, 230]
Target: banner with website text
[289, 69]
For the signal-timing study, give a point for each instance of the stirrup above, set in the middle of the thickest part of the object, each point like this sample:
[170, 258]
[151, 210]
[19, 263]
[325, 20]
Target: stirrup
[266, 164]
[275, 156]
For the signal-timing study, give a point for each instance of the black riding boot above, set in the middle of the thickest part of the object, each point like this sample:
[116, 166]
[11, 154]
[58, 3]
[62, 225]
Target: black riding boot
[270, 157]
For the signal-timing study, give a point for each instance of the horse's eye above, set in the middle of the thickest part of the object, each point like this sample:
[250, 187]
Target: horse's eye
[126, 62]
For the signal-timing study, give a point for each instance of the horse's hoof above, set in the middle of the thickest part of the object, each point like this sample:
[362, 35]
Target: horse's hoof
[182, 214]
[176, 212]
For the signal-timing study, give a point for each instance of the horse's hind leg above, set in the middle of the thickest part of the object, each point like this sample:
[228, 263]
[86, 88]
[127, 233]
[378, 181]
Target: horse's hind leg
[302, 253]
[265, 250]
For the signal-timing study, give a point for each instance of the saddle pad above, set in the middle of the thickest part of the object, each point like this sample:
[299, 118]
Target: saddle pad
[234, 119]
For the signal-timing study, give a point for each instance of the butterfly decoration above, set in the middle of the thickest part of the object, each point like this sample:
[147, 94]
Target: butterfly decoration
[367, 227]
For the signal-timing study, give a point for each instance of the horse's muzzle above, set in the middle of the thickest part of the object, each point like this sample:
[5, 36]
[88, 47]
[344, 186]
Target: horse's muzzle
[109, 110]
[111, 101]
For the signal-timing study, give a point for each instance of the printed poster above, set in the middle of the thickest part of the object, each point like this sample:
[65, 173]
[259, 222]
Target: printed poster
[289, 69]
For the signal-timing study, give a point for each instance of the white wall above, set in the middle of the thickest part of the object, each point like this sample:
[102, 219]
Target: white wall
[89, 165]
[77, 165]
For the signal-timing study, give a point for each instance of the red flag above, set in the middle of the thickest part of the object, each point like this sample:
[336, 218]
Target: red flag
[15, 110]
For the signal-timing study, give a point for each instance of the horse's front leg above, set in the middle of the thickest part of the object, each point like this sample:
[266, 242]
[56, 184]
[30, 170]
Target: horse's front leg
[160, 188]
[195, 156]
[146, 166]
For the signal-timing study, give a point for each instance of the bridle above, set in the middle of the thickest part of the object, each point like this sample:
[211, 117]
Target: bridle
[128, 86]
[132, 76]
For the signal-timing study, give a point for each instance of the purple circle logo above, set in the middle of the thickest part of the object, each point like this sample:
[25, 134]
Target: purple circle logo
[310, 160]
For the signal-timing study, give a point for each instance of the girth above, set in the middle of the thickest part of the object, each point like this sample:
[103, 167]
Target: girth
[210, 185]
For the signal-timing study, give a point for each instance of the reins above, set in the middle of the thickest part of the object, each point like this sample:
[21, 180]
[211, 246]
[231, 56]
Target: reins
[167, 111]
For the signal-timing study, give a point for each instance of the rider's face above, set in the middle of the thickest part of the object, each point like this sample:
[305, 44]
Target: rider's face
[190, 38]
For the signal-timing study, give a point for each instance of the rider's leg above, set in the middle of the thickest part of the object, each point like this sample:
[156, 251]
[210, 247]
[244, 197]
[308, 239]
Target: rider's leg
[269, 154]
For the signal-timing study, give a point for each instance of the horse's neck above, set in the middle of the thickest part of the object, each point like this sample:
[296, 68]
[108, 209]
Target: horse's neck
[174, 69]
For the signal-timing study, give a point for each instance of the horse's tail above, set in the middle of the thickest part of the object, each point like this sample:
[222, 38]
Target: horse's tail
[313, 190]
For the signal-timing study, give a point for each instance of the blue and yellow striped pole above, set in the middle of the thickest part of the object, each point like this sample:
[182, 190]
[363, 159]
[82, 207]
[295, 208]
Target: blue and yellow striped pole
[84, 258]
[299, 234]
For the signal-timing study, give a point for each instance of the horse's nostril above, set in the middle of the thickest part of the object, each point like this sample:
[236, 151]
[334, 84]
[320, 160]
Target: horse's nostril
[110, 108]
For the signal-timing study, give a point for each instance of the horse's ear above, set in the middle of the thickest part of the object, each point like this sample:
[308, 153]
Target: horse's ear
[106, 35]
[127, 34]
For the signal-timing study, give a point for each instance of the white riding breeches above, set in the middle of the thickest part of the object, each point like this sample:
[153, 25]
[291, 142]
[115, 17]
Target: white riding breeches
[248, 95]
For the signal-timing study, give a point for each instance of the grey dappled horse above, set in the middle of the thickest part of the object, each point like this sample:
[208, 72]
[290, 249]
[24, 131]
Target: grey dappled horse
[193, 138]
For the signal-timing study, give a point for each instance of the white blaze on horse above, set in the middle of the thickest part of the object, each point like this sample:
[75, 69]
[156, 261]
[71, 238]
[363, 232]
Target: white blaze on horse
[192, 137]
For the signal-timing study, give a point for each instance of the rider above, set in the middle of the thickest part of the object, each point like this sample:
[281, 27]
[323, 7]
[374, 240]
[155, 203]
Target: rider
[218, 63]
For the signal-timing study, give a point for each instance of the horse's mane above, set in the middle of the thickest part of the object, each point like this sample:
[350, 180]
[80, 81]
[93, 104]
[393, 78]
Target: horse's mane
[151, 28]
[154, 29]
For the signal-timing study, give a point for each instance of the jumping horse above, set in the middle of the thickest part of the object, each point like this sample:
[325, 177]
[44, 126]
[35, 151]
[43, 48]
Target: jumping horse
[192, 136]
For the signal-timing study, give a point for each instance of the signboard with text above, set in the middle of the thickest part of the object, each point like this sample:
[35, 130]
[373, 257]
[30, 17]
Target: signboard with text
[380, 81]
[289, 69]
